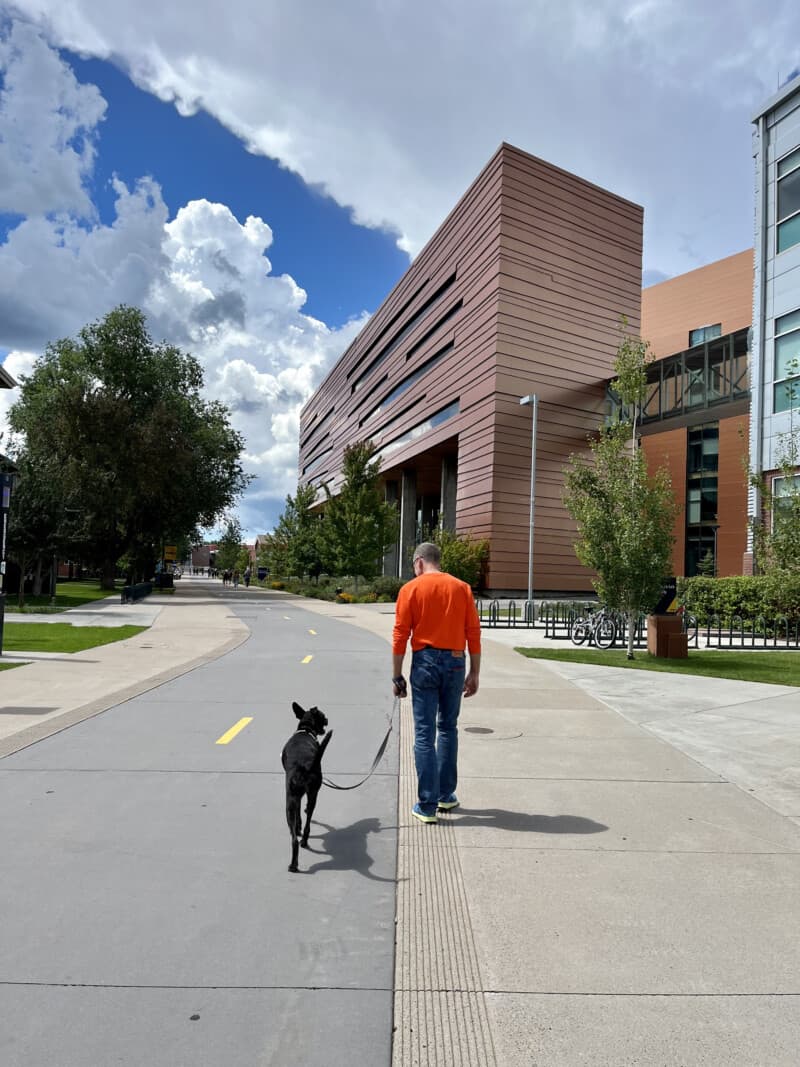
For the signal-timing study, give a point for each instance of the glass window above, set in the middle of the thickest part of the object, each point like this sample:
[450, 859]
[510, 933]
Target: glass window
[787, 361]
[702, 462]
[695, 380]
[704, 333]
[784, 497]
[421, 428]
[788, 218]
[701, 550]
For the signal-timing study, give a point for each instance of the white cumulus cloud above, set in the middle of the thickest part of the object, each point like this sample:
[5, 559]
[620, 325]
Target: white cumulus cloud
[392, 108]
[203, 278]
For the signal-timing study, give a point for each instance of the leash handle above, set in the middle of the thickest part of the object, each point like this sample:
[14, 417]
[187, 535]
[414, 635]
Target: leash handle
[375, 762]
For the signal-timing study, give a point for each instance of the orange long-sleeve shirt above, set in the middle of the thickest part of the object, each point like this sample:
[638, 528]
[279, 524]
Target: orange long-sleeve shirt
[436, 609]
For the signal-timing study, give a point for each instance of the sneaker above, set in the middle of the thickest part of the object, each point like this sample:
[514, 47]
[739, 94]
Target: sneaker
[418, 813]
[448, 803]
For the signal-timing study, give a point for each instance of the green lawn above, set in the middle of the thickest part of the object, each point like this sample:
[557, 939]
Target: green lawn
[68, 595]
[10, 666]
[61, 637]
[777, 668]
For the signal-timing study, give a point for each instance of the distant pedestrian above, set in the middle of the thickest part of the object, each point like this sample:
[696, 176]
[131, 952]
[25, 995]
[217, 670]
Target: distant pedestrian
[247, 578]
[437, 611]
[235, 579]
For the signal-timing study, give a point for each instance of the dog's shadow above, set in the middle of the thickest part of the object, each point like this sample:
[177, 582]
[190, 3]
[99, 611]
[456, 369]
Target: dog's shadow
[346, 848]
[499, 819]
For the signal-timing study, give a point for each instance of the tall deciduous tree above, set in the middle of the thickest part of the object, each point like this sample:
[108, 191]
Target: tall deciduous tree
[229, 545]
[624, 516]
[140, 454]
[297, 538]
[776, 542]
[359, 525]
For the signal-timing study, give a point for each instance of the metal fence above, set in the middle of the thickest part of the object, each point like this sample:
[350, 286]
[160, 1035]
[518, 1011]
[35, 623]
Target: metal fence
[506, 614]
[759, 634]
[555, 618]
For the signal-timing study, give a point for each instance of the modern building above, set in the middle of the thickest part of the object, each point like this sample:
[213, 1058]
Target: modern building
[520, 291]
[696, 415]
[776, 302]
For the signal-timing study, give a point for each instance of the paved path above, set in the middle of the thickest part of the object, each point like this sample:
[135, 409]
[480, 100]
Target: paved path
[148, 914]
[610, 892]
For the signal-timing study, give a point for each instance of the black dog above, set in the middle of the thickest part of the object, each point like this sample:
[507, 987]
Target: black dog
[302, 761]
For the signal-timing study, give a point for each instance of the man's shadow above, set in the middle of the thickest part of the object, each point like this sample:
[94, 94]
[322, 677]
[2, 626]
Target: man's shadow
[346, 848]
[499, 819]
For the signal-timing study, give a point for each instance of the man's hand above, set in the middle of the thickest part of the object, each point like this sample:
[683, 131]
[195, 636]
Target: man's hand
[471, 684]
[399, 687]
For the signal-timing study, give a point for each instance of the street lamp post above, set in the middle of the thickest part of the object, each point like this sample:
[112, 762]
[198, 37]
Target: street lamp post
[534, 401]
[5, 503]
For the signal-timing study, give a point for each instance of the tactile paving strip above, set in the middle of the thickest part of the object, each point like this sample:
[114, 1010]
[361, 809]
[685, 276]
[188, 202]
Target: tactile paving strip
[440, 1017]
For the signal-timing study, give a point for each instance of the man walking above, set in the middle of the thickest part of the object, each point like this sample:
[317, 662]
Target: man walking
[438, 613]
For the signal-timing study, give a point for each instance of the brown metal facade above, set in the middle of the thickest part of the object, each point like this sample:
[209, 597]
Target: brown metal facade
[720, 294]
[520, 291]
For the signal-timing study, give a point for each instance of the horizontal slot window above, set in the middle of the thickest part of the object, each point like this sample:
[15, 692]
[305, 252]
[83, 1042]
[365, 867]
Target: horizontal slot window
[314, 463]
[407, 382]
[421, 429]
[378, 435]
[454, 310]
[315, 429]
[411, 325]
[386, 329]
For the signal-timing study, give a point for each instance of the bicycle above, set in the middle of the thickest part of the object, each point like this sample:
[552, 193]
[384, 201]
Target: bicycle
[689, 623]
[600, 627]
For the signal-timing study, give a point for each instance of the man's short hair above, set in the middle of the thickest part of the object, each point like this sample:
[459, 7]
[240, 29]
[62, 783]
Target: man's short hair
[428, 553]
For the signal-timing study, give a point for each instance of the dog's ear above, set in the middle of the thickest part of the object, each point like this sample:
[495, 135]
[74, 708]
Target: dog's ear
[299, 712]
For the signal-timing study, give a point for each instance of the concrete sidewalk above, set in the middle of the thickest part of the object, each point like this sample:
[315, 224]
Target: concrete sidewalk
[606, 893]
[55, 691]
[621, 884]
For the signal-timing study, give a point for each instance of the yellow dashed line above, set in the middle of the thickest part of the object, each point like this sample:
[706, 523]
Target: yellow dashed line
[308, 659]
[234, 730]
[314, 632]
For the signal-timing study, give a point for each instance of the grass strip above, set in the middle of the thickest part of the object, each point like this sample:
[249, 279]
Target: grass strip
[775, 668]
[62, 637]
[10, 666]
[68, 595]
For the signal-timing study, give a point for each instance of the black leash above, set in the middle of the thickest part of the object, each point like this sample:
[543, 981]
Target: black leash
[376, 761]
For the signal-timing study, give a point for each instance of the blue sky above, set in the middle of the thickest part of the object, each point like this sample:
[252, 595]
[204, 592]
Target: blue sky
[344, 269]
[256, 177]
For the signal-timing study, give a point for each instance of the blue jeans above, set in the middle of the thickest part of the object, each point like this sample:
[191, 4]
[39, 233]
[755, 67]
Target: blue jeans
[437, 684]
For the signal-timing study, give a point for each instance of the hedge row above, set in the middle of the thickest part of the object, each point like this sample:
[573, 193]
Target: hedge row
[767, 595]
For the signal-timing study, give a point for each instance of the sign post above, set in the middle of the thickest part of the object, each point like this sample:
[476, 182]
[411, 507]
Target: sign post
[5, 504]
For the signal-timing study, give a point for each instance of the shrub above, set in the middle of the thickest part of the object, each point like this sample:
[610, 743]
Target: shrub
[461, 556]
[386, 587]
[277, 585]
[768, 596]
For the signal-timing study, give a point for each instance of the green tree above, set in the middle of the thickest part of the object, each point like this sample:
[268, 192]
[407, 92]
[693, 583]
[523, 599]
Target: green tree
[299, 535]
[140, 455]
[273, 554]
[34, 519]
[624, 516]
[229, 545]
[776, 541]
[358, 524]
[462, 555]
